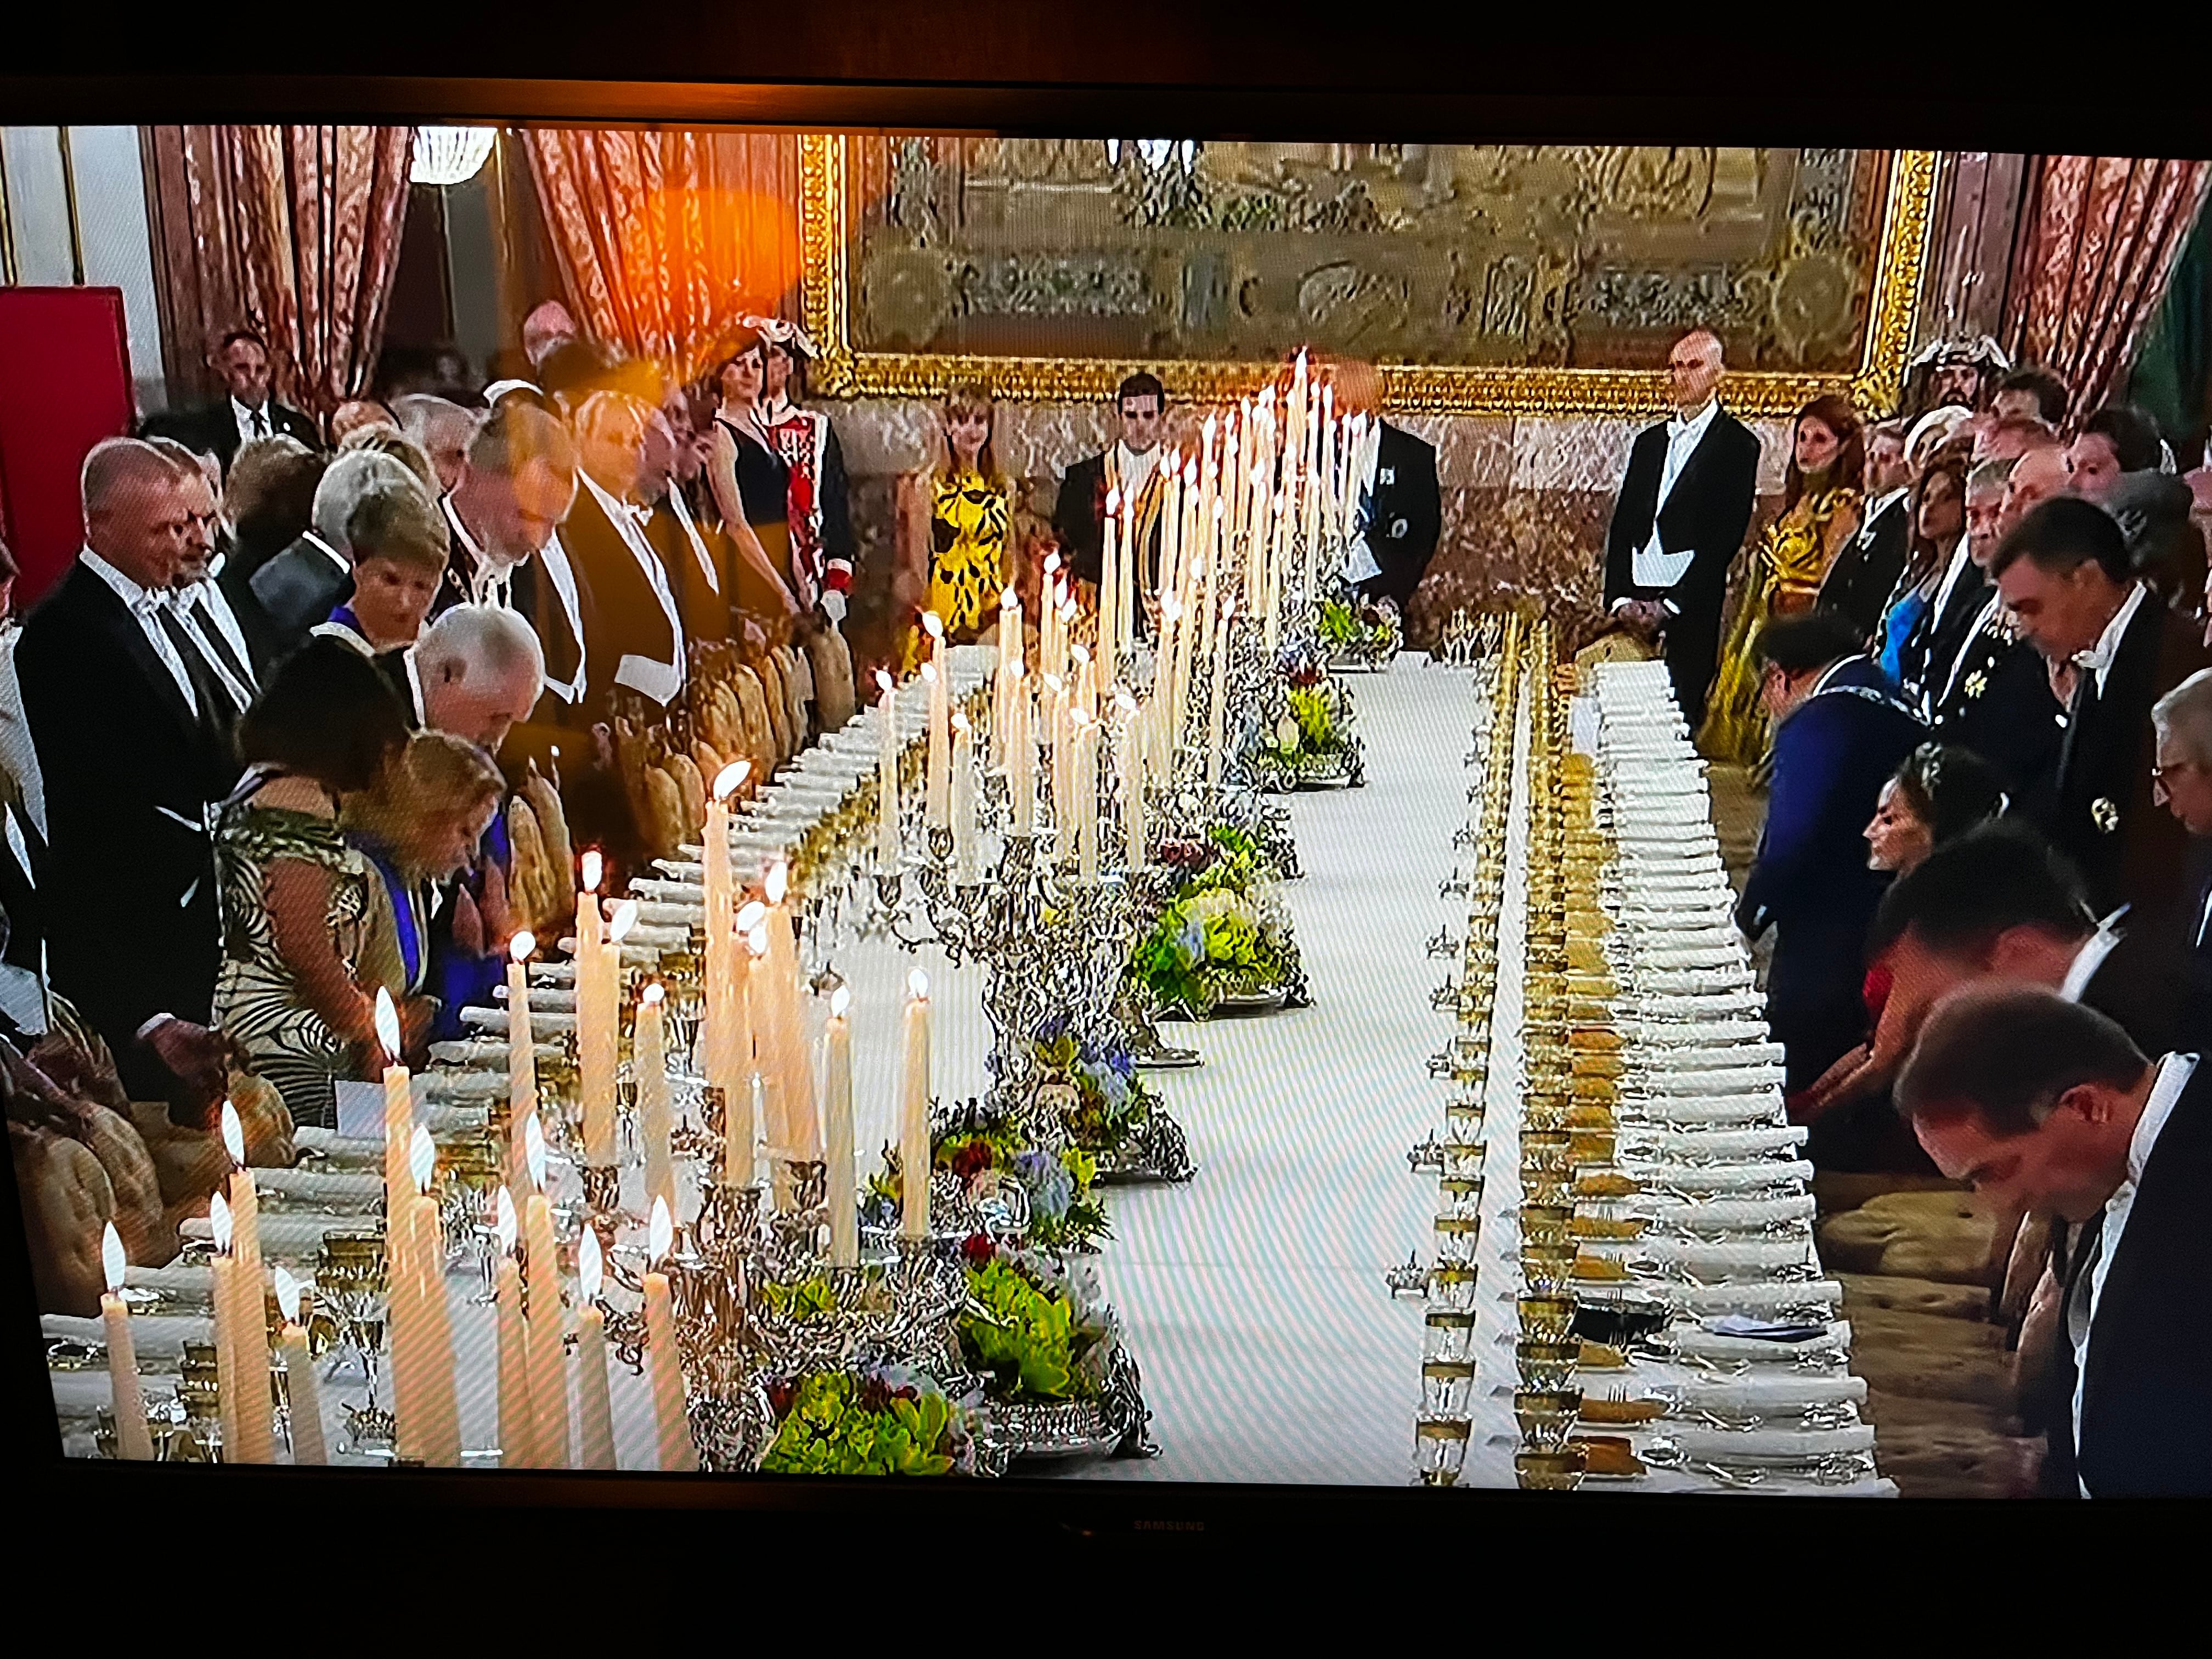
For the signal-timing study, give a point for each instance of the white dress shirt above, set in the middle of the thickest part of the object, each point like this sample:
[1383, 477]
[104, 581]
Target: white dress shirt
[2098, 659]
[1960, 557]
[2091, 957]
[661, 681]
[144, 605]
[345, 566]
[2173, 1074]
[553, 558]
[18, 754]
[1360, 562]
[246, 418]
[1132, 469]
[212, 604]
[1653, 565]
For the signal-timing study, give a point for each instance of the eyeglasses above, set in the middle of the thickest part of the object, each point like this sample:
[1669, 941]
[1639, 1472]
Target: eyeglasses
[2159, 772]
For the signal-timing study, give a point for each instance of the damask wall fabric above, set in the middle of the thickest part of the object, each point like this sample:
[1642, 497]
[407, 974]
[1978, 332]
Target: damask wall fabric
[665, 239]
[292, 230]
[2099, 237]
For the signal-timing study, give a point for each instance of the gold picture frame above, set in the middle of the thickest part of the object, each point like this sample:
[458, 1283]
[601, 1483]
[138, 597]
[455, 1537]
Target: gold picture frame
[844, 372]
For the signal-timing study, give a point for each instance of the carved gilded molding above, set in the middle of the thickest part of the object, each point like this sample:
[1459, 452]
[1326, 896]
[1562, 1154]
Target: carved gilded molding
[846, 372]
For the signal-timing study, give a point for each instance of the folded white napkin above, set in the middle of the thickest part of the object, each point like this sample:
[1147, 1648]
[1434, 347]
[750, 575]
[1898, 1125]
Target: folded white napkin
[153, 1336]
[1651, 979]
[1665, 1111]
[460, 1087]
[1721, 1004]
[1768, 1445]
[1694, 1342]
[287, 1237]
[542, 1022]
[1698, 1036]
[1753, 1297]
[1730, 1080]
[1747, 1176]
[1677, 1145]
[1771, 1392]
[187, 1287]
[356, 1189]
[1717, 1214]
[483, 1052]
[1730, 1258]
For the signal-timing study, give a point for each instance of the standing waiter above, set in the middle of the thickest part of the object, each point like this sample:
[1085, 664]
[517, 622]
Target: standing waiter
[1679, 521]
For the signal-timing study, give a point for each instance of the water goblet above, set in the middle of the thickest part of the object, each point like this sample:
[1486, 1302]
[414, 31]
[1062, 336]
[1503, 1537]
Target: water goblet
[1546, 1416]
[1440, 1449]
[1546, 1317]
[1546, 1365]
[1446, 1385]
[1451, 1286]
[1558, 1469]
[1446, 1334]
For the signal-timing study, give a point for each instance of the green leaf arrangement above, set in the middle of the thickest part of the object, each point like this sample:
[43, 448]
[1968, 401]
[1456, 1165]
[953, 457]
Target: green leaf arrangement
[839, 1424]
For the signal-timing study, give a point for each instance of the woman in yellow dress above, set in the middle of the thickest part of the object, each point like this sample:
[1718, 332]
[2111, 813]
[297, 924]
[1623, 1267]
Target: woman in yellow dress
[955, 519]
[1819, 513]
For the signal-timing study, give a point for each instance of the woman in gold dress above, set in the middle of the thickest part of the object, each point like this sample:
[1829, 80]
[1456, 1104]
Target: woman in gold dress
[955, 519]
[304, 932]
[1820, 514]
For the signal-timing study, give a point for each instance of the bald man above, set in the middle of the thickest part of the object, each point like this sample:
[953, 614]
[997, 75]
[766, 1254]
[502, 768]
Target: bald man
[1679, 520]
[134, 749]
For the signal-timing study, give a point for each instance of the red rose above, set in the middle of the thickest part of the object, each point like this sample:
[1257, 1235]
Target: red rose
[978, 1248]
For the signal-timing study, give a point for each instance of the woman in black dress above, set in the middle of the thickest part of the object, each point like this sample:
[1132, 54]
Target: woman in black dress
[750, 484]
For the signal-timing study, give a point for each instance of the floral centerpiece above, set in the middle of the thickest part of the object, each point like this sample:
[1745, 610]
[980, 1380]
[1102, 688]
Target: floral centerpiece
[1026, 1328]
[1040, 1191]
[880, 1421]
[1358, 632]
[1308, 740]
[1222, 936]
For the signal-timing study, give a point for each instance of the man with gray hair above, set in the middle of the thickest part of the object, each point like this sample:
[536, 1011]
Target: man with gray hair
[443, 430]
[133, 750]
[2181, 781]
[299, 588]
[475, 673]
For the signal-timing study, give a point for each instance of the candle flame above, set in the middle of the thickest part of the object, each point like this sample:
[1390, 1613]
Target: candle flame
[778, 881]
[932, 624]
[625, 918]
[1018, 671]
[520, 947]
[929, 673]
[1125, 703]
[219, 1222]
[883, 682]
[233, 1134]
[1052, 683]
[751, 915]
[839, 1000]
[652, 993]
[387, 1025]
[660, 1231]
[503, 1223]
[757, 941]
[1078, 718]
[533, 1151]
[111, 1259]
[422, 1158]
[593, 866]
[1067, 604]
[917, 985]
[1080, 653]
[960, 723]
[588, 1266]
[1113, 501]
[1171, 606]
[1009, 600]
[287, 1295]
[1051, 564]
[727, 780]
[1190, 474]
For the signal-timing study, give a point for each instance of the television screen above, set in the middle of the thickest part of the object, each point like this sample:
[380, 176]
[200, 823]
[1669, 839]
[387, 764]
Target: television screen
[753, 803]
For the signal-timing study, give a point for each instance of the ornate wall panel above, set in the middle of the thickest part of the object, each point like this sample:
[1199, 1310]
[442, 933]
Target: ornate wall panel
[1483, 278]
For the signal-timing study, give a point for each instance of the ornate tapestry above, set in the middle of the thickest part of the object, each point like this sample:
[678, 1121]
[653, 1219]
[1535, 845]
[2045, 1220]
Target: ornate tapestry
[1479, 277]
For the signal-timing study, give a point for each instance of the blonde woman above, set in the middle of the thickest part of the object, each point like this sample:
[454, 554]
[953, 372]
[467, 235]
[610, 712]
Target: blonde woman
[955, 517]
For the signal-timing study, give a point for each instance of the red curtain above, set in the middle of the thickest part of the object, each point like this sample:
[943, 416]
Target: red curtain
[2099, 235]
[666, 237]
[294, 230]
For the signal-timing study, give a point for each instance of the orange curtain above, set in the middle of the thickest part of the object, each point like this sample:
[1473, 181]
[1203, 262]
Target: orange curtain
[666, 237]
[2098, 239]
[294, 230]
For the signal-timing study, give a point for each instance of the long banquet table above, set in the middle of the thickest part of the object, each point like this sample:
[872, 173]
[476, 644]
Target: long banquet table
[1253, 1297]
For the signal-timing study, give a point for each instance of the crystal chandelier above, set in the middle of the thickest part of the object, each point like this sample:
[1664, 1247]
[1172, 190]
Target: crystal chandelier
[449, 155]
[1155, 153]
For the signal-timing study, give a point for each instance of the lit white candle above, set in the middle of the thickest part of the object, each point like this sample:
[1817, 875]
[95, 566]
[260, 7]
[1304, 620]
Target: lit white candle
[837, 1092]
[649, 1069]
[399, 1107]
[723, 959]
[797, 1127]
[595, 1418]
[889, 849]
[222, 1272]
[1084, 790]
[257, 1429]
[1110, 601]
[548, 1365]
[598, 974]
[518, 1419]
[1021, 759]
[963, 801]
[914, 1110]
[1218, 713]
[302, 1391]
[1049, 639]
[436, 1435]
[672, 1426]
[521, 1053]
[739, 1135]
[937, 785]
[1012, 656]
[1128, 756]
[133, 1444]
